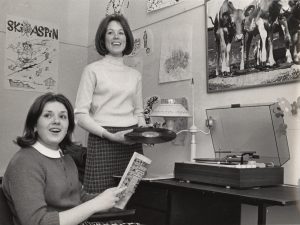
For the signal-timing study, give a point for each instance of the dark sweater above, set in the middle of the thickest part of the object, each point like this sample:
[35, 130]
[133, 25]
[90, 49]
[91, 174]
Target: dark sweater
[38, 188]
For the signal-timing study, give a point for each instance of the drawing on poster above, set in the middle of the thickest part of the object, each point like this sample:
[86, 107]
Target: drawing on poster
[143, 41]
[148, 41]
[116, 6]
[137, 43]
[31, 60]
[175, 60]
[153, 5]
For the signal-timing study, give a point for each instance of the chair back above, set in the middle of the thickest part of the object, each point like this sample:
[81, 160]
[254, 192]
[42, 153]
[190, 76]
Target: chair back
[5, 213]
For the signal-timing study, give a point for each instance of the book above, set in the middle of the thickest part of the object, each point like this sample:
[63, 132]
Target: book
[134, 173]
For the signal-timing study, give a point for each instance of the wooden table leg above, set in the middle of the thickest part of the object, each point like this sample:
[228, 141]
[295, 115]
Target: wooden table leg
[262, 214]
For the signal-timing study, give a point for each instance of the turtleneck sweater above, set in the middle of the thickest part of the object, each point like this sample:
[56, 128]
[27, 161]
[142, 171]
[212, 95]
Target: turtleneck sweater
[111, 93]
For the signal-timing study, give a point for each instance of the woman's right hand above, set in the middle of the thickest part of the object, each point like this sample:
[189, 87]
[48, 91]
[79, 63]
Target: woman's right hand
[118, 136]
[107, 199]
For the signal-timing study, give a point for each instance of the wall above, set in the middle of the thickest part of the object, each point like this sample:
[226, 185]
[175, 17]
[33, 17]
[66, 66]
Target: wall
[72, 17]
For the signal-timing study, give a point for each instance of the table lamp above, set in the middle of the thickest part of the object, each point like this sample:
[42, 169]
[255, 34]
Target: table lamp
[170, 110]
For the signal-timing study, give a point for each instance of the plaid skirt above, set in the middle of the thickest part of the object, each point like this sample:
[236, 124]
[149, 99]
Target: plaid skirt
[106, 159]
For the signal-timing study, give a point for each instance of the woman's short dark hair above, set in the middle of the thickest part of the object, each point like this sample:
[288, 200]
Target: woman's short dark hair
[30, 136]
[100, 35]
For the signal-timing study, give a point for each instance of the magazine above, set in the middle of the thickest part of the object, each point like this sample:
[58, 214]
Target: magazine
[135, 171]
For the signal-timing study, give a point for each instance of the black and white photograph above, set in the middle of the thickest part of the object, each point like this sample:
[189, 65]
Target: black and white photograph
[252, 43]
[150, 112]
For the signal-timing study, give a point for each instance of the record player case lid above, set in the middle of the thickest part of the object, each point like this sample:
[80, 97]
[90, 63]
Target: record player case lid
[258, 128]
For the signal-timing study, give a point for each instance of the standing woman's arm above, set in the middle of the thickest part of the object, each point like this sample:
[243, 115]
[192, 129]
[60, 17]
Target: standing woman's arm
[139, 106]
[83, 103]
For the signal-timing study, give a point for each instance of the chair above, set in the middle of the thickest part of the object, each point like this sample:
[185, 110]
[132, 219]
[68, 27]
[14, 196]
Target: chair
[5, 213]
[118, 215]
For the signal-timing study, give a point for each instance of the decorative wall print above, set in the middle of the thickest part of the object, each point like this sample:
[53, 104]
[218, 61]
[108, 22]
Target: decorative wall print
[176, 55]
[242, 53]
[116, 6]
[31, 55]
[148, 41]
[137, 36]
[153, 5]
[143, 40]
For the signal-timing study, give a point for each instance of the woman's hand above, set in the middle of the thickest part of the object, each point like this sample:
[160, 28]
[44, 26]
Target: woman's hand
[118, 137]
[107, 199]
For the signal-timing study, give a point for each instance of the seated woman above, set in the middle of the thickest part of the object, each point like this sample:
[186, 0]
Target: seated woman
[41, 183]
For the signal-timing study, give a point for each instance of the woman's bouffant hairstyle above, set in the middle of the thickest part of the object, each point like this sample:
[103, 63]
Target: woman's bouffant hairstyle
[30, 135]
[100, 35]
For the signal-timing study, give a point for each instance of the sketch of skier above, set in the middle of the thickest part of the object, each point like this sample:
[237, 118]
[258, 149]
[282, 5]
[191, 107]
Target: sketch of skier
[29, 55]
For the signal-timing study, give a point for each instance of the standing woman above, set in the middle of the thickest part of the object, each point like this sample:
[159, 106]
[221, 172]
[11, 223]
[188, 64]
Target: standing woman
[109, 104]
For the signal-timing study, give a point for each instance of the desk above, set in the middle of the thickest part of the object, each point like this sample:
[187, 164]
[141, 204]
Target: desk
[174, 202]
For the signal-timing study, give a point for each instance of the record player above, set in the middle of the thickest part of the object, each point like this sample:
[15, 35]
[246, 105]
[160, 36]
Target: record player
[250, 145]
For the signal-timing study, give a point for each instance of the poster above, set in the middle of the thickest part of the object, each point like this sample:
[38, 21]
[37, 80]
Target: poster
[153, 5]
[176, 55]
[31, 55]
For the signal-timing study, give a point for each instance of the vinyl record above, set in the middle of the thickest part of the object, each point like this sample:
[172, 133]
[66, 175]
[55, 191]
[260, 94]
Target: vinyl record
[150, 135]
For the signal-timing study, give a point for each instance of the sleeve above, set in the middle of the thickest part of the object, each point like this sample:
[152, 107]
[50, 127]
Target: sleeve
[84, 196]
[139, 109]
[139, 106]
[85, 91]
[26, 183]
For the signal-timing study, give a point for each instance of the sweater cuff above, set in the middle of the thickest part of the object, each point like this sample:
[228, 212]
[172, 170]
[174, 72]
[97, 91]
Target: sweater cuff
[102, 130]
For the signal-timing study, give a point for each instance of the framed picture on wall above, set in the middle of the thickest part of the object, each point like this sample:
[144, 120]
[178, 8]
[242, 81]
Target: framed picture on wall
[246, 49]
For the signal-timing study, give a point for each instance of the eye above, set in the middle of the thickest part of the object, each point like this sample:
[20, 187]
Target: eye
[121, 32]
[64, 116]
[47, 115]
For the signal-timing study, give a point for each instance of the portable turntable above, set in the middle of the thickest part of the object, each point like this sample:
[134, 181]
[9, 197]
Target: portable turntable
[250, 146]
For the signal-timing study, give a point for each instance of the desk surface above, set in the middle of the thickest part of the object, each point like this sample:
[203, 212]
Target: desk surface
[275, 195]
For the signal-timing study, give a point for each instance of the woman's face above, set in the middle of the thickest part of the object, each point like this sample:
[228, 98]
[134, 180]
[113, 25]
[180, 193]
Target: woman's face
[115, 39]
[52, 125]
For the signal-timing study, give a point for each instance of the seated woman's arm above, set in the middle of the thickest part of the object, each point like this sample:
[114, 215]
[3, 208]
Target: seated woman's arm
[35, 195]
[101, 202]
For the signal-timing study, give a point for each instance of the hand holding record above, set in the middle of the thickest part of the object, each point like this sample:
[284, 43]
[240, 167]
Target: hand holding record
[150, 135]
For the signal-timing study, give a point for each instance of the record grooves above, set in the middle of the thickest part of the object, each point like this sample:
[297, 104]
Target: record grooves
[150, 135]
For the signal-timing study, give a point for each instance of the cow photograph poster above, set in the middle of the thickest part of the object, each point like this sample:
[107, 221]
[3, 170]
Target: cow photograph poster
[252, 43]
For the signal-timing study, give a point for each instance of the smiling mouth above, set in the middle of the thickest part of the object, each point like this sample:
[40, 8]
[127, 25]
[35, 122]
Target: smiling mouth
[116, 43]
[55, 130]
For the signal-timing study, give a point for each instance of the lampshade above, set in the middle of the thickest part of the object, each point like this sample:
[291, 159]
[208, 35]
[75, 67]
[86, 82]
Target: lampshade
[169, 108]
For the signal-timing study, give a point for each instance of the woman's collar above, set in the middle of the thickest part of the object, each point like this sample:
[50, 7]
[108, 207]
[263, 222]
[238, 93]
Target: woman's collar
[47, 151]
[119, 61]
